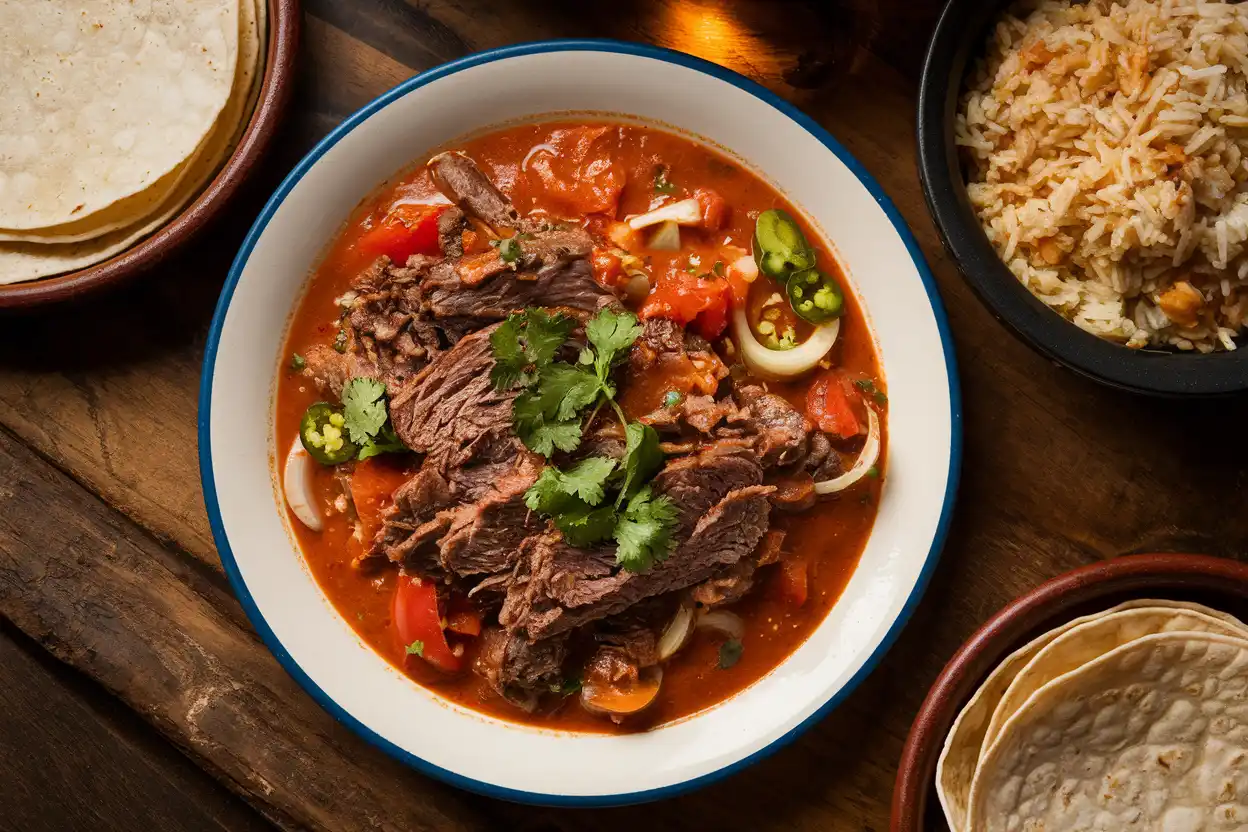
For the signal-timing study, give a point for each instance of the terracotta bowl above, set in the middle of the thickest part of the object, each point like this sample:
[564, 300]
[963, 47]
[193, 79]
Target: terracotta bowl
[284, 25]
[1216, 582]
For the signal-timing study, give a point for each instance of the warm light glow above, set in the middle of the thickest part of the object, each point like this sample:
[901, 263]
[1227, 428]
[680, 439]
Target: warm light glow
[710, 30]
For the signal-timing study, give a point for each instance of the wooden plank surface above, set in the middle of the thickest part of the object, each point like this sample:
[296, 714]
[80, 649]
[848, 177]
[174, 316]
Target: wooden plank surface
[1058, 471]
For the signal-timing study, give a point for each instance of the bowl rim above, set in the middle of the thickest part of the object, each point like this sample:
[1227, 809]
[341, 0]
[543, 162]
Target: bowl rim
[276, 88]
[955, 42]
[1004, 632]
[205, 403]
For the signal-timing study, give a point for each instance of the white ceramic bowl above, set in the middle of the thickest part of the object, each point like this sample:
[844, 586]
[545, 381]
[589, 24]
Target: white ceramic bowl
[237, 446]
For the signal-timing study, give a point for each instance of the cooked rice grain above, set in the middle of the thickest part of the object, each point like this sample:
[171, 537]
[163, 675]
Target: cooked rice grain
[1106, 149]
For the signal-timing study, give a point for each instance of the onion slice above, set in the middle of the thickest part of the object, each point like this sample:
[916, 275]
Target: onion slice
[297, 486]
[677, 633]
[685, 212]
[866, 460]
[728, 623]
[537, 148]
[782, 364]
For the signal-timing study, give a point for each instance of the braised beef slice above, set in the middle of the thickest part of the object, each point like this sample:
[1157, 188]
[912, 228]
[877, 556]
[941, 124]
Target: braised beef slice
[412, 523]
[459, 178]
[636, 631]
[697, 482]
[565, 283]
[695, 415]
[484, 537]
[451, 226]
[728, 586]
[781, 430]
[450, 411]
[726, 533]
[519, 670]
[794, 493]
[549, 570]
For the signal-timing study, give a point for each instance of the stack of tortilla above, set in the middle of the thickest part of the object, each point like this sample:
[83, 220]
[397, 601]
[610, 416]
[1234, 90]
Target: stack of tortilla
[1134, 718]
[115, 115]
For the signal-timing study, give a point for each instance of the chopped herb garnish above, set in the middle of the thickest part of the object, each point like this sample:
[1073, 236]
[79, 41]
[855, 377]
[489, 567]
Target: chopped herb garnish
[691, 269]
[873, 472]
[509, 250]
[525, 236]
[416, 648]
[547, 415]
[367, 422]
[340, 341]
[671, 398]
[644, 533]
[718, 268]
[297, 362]
[868, 387]
[662, 185]
[730, 653]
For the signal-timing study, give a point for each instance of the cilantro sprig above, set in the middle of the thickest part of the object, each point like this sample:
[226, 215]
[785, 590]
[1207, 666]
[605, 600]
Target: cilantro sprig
[597, 498]
[367, 419]
[546, 414]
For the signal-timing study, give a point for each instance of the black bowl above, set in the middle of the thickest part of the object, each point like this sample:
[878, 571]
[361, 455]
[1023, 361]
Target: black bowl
[960, 36]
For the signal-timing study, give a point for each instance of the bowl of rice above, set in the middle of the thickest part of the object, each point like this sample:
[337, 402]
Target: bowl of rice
[1086, 164]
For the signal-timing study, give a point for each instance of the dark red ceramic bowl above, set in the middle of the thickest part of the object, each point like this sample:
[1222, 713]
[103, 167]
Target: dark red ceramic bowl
[284, 25]
[1215, 582]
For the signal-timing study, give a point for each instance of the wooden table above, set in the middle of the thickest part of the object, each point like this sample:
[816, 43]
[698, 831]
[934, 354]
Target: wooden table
[133, 692]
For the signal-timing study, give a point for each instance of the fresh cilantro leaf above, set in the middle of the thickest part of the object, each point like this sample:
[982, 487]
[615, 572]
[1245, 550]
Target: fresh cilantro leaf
[297, 362]
[510, 362]
[363, 408]
[509, 250]
[586, 357]
[611, 333]
[662, 185]
[587, 479]
[546, 437]
[642, 457]
[730, 653]
[583, 525]
[566, 389]
[644, 533]
[387, 442]
[416, 648]
[544, 334]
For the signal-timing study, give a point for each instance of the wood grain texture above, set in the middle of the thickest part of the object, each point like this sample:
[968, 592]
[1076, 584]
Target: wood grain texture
[71, 758]
[1057, 471]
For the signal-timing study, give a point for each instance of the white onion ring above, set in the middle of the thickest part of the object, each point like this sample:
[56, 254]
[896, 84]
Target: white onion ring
[782, 364]
[866, 460]
[677, 633]
[297, 486]
[728, 623]
[533, 151]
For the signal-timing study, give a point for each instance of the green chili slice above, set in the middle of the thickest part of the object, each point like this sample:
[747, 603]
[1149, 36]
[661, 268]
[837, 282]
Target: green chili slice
[780, 248]
[815, 296]
[324, 436]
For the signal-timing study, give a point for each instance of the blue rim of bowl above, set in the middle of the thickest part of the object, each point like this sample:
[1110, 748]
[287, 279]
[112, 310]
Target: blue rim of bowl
[205, 411]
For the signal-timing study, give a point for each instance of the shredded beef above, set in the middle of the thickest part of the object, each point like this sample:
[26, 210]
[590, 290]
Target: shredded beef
[458, 176]
[519, 670]
[450, 411]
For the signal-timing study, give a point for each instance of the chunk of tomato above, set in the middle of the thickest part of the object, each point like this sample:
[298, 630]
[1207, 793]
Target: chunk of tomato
[792, 582]
[701, 302]
[581, 176]
[373, 482]
[405, 230]
[714, 208]
[834, 407]
[608, 270]
[419, 626]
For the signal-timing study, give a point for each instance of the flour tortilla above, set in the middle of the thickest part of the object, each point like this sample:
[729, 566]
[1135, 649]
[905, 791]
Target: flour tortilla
[960, 756]
[20, 261]
[104, 97]
[1151, 736]
[135, 209]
